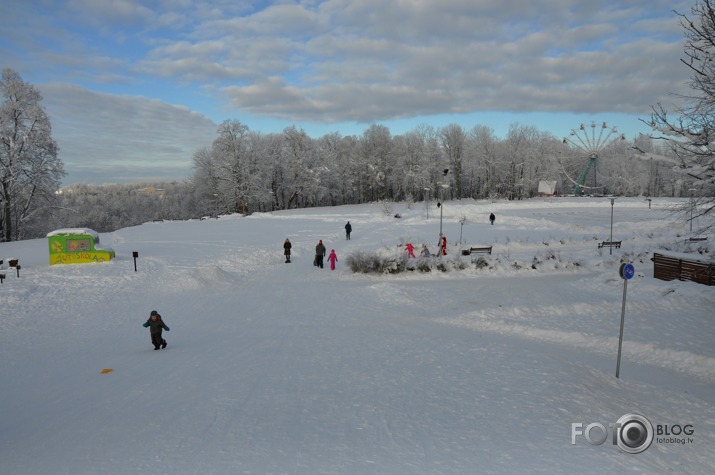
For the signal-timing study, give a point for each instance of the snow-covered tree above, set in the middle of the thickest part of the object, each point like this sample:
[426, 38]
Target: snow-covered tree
[453, 140]
[484, 149]
[30, 170]
[690, 130]
[376, 159]
[300, 170]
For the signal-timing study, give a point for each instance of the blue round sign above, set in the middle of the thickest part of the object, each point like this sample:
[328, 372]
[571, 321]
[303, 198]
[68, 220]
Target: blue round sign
[627, 271]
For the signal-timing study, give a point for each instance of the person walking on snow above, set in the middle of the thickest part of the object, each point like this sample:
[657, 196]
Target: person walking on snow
[492, 218]
[348, 230]
[319, 253]
[443, 245]
[286, 249]
[425, 251]
[332, 258]
[410, 249]
[155, 325]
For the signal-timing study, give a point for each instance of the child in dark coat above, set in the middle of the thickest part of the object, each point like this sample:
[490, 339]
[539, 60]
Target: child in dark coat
[155, 325]
[286, 249]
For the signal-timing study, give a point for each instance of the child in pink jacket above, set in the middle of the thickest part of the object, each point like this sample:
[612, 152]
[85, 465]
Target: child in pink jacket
[332, 258]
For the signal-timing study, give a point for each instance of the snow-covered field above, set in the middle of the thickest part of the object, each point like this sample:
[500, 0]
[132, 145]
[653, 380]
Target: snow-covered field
[286, 368]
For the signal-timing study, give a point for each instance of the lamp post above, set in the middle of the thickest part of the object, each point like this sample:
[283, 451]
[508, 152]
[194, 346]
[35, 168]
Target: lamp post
[462, 220]
[692, 205]
[439, 205]
[610, 248]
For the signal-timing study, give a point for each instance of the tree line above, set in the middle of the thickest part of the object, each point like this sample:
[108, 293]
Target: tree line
[243, 171]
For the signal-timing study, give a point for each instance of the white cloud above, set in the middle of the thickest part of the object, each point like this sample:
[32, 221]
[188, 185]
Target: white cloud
[332, 62]
[96, 131]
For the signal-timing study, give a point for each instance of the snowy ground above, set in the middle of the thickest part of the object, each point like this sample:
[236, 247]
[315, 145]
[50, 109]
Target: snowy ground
[286, 368]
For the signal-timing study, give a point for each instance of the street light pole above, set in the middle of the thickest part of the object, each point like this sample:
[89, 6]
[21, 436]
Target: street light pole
[610, 248]
[692, 205]
[440, 204]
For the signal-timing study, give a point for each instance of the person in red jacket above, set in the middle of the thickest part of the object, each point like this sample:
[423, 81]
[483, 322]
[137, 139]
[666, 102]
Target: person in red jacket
[410, 249]
[443, 245]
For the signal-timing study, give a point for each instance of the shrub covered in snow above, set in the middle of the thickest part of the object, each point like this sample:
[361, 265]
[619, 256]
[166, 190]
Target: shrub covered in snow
[375, 263]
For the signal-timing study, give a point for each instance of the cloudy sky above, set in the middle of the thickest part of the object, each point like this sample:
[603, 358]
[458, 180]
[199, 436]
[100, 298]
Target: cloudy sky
[134, 88]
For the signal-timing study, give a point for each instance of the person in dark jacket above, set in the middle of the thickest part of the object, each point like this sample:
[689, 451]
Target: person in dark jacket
[492, 218]
[319, 253]
[286, 249]
[155, 325]
[348, 230]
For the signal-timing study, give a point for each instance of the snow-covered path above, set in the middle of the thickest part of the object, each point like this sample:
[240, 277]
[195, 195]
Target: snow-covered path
[285, 368]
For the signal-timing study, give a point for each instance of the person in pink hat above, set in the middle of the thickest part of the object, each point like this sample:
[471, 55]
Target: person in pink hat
[332, 258]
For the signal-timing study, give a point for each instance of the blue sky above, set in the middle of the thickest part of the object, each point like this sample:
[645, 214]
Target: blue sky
[133, 88]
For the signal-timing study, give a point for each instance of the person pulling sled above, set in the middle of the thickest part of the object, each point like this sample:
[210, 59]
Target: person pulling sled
[319, 254]
[155, 325]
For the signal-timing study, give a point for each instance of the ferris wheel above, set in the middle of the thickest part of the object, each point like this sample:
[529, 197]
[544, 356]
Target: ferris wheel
[587, 143]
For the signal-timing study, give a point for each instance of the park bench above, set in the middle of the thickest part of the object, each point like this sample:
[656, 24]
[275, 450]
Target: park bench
[616, 244]
[477, 250]
[11, 264]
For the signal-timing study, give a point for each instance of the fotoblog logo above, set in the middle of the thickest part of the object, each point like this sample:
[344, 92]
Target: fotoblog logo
[632, 433]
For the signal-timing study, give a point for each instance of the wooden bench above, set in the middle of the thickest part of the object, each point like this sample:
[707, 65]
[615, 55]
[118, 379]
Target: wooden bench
[477, 250]
[616, 244]
[12, 264]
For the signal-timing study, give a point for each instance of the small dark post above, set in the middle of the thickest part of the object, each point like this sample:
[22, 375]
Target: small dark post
[135, 254]
[2, 277]
[17, 268]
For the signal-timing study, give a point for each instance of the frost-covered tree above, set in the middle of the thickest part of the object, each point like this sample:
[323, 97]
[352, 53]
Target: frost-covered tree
[690, 130]
[232, 176]
[30, 170]
[230, 153]
[412, 157]
[335, 155]
[484, 146]
[453, 141]
[376, 163]
[300, 170]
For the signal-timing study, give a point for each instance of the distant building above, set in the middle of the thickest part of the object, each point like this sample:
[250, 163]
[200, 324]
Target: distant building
[154, 191]
[547, 188]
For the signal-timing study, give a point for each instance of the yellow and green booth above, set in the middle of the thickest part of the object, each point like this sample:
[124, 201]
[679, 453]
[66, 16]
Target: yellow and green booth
[77, 246]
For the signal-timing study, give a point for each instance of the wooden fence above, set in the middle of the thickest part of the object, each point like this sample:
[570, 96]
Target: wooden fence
[671, 268]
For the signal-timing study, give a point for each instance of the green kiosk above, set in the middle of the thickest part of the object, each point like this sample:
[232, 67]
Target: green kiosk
[77, 246]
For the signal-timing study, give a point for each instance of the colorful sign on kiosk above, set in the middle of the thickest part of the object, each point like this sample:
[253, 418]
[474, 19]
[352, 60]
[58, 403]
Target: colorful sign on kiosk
[77, 246]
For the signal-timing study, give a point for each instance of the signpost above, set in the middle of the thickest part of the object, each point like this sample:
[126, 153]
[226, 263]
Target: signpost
[627, 271]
